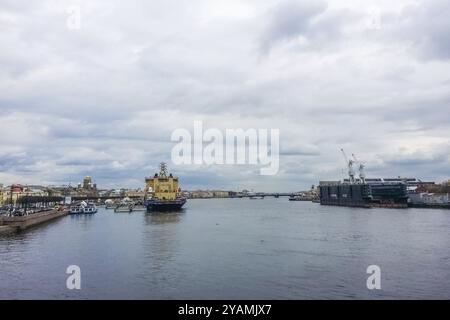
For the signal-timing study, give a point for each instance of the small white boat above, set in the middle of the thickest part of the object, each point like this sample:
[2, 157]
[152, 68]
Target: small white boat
[110, 204]
[90, 209]
[76, 209]
[83, 208]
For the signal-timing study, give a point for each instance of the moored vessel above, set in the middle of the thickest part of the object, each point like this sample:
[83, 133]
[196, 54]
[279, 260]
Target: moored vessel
[367, 195]
[163, 192]
[83, 208]
[362, 192]
[110, 204]
[300, 197]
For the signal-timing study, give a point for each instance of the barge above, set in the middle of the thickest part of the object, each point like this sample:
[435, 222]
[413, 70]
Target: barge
[362, 192]
[364, 195]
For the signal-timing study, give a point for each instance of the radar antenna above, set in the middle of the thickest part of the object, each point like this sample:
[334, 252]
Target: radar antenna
[163, 169]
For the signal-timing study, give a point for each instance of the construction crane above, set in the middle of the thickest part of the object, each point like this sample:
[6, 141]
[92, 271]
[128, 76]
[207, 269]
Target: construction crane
[350, 163]
[362, 173]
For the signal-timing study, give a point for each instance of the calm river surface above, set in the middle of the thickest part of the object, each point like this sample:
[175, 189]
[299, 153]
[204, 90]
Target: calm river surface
[233, 249]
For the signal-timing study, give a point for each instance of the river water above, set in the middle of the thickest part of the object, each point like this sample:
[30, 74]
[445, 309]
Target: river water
[233, 249]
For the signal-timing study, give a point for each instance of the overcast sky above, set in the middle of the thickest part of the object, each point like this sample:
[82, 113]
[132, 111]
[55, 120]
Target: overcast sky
[372, 77]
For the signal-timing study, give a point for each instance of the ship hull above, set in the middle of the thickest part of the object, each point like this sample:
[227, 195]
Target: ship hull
[83, 210]
[365, 195]
[355, 204]
[74, 212]
[165, 205]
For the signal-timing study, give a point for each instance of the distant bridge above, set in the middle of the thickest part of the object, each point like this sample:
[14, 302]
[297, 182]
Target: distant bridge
[118, 197]
[263, 195]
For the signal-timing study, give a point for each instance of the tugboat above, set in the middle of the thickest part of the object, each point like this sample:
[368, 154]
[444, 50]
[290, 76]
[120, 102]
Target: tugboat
[163, 191]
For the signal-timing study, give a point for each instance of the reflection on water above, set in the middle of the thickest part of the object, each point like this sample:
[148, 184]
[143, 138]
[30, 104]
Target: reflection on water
[82, 220]
[161, 244]
[82, 217]
[163, 217]
[233, 249]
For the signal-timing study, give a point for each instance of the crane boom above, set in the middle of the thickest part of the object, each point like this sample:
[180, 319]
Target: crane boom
[351, 171]
[362, 174]
[345, 156]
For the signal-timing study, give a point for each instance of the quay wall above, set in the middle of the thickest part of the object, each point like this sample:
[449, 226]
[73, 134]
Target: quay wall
[24, 222]
[6, 230]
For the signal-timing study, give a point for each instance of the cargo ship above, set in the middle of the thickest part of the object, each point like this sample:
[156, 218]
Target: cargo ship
[162, 192]
[362, 192]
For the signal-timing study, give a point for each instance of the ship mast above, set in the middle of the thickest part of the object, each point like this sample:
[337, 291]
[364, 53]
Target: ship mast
[163, 169]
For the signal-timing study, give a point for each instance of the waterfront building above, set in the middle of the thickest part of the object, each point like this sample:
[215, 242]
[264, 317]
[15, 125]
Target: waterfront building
[88, 188]
[201, 194]
[221, 194]
[14, 192]
[207, 194]
[429, 198]
[134, 193]
[88, 184]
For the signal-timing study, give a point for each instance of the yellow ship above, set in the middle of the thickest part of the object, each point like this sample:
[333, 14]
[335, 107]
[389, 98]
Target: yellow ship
[163, 192]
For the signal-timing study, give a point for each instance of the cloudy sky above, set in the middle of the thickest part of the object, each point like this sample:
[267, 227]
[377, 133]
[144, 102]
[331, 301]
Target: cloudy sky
[372, 77]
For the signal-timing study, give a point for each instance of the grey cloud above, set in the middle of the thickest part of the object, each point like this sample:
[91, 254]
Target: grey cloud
[432, 26]
[422, 165]
[104, 100]
[289, 20]
[423, 27]
[11, 161]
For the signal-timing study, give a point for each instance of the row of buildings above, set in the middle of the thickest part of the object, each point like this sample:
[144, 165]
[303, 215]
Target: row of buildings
[430, 194]
[11, 194]
[86, 189]
[206, 194]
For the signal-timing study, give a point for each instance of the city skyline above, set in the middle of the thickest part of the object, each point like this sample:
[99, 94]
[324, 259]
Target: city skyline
[103, 98]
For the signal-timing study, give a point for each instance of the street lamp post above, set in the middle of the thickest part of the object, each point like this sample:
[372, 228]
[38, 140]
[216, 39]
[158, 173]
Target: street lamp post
[11, 200]
[26, 203]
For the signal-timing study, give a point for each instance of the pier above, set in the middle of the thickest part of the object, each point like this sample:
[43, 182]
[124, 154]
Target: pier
[19, 223]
